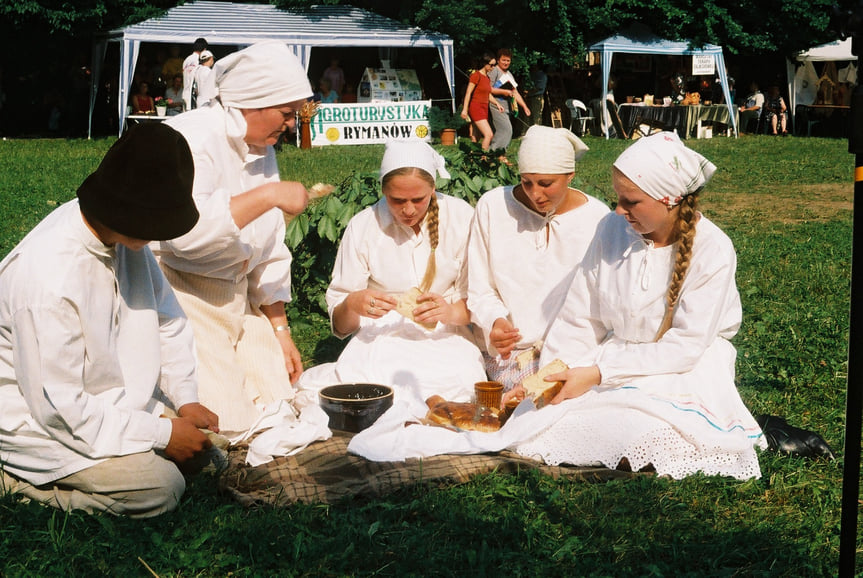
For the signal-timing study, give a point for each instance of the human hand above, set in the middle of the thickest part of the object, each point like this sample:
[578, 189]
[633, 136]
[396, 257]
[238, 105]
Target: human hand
[577, 381]
[503, 337]
[186, 441]
[516, 393]
[465, 115]
[432, 308]
[293, 359]
[370, 303]
[290, 196]
[199, 415]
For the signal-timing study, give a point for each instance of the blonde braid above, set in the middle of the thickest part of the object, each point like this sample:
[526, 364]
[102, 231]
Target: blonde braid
[432, 226]
[432, 219]
[685, 230]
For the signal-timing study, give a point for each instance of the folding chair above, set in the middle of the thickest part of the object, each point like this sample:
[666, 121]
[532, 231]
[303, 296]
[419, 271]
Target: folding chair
[579, 116]
[646, 126]
[616, 123]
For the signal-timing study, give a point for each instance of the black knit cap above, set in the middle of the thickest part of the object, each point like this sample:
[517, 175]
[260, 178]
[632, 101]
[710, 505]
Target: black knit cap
[143, 187]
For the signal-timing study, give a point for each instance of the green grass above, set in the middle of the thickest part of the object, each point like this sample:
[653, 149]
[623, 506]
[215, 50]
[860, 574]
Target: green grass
[786, 203]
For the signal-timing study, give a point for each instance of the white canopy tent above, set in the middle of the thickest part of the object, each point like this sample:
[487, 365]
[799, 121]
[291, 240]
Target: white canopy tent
[802, 77]
[228, 23]
[640, 42]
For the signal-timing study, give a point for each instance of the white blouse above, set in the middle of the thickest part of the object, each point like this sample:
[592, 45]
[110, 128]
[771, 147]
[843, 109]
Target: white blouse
[91, 338]
[521, 263]
[216, 247]
[377, 252]
[617, 301]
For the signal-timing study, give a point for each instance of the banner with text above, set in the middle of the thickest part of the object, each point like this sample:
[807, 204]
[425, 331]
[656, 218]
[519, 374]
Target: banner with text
[370, 122]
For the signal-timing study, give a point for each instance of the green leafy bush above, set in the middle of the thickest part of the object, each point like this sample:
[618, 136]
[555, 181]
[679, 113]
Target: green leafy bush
[441, 118]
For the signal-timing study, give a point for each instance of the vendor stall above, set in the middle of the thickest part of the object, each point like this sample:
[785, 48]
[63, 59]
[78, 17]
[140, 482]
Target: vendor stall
[642, 42]
[228, 23]
[803, 82]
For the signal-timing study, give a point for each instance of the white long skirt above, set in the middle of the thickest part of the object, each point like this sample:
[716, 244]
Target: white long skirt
[397, 352]
[680, 424]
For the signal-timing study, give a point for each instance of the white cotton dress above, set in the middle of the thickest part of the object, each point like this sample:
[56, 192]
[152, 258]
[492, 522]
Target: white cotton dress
[376, 252]
[222, 274]
[521, 264]
[670, 403]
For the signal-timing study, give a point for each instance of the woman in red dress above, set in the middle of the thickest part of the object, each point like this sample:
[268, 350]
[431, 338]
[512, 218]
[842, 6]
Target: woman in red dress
[142, 102]
[477, 101]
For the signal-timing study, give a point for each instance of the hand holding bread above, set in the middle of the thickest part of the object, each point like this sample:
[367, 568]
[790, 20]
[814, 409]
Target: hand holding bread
[554, 383]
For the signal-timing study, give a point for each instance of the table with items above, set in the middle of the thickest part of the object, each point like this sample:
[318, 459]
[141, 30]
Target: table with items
[687, 120]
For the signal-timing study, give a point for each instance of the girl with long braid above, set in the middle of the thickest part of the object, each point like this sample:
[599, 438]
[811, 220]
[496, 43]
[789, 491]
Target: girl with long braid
[399, 286]
[645, 331]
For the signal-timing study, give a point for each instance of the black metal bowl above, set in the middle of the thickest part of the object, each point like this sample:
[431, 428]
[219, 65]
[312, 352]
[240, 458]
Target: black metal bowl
[352, 407]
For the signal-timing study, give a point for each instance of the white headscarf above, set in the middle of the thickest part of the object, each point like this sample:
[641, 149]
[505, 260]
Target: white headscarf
[262, 75]
[549, 151]
[413, 153]
[664, 168]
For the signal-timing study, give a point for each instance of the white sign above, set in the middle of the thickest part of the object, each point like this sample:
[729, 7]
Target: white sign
[370, 122]
[703, 64]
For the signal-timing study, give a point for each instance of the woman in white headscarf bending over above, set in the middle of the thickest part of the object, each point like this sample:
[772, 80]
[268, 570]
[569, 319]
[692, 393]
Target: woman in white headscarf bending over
[645, 332]
[525, 243]
[399, 286]
[232, 272]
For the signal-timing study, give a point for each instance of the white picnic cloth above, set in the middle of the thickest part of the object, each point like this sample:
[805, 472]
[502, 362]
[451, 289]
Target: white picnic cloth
[288, 428]
[389, 439]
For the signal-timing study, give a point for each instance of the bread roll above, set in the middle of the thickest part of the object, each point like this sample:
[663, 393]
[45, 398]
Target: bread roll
[461, 416]
[408, 302]
[540, 390]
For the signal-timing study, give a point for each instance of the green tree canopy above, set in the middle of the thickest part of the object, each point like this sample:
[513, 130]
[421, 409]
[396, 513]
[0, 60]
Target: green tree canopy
[564, 29]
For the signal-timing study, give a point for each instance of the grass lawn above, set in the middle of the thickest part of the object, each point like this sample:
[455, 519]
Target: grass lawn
[787, 205]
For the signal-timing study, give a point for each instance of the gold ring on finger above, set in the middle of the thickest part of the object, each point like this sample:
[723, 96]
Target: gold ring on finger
[372, 302]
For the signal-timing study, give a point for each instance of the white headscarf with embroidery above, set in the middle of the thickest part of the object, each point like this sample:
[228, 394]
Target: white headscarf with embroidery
[664, 168]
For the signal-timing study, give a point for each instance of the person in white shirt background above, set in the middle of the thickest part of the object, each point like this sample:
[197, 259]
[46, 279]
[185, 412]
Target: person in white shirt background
[645, 331]
[190, 64]
[174, 96]
[200, 96]
[413, 238]
[232, 272]
[525, 243]
[94, 348]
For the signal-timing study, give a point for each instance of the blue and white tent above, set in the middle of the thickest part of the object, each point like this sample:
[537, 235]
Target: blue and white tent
[228, 23]
[642, 42]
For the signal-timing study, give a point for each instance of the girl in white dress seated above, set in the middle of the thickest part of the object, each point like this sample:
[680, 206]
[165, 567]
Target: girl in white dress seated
[413, 238]
[645, 331]
[526, 241]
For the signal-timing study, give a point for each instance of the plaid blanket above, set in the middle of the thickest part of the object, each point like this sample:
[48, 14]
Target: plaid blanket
[325, 472]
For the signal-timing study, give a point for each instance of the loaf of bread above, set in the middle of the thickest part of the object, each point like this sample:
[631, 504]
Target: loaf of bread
[541, 391]
[408, 302]
[461, 416]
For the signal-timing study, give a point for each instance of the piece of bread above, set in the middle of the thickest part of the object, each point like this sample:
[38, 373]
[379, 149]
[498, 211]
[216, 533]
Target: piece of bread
[540, 390]
[406, 305]
[526, 357]
[461, 416]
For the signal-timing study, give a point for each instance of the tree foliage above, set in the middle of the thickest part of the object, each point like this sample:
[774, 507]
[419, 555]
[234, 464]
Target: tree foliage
[564, 29]
[558, 29]
[80, 18]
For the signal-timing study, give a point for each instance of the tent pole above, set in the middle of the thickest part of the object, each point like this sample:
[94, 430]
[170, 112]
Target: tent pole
[854, 399]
